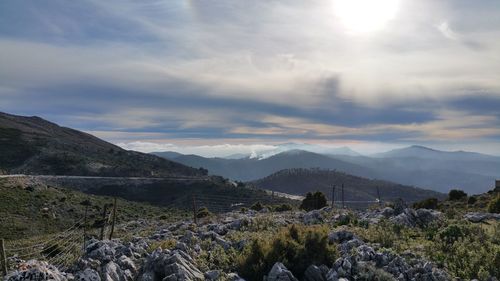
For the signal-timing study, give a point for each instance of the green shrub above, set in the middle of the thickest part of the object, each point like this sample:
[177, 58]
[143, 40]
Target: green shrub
[451, 234]
[296, 247]
[382, 233]
[494, 205]
[313, 201]
[346, 219]
[203, 213]
[257, 206]
[283, 208]
[456, 194]
[467, 251]
[429, 203]
[471, 200]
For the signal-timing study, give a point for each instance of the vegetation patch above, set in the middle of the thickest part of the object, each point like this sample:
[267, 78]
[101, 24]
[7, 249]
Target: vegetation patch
[296, 247]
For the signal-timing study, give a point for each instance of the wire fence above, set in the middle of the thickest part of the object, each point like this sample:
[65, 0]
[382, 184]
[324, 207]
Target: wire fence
[61, 249]
[64, 248]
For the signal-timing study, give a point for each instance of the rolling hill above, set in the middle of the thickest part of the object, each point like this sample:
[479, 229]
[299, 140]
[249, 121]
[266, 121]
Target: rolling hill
[32, 145]
[301, 181]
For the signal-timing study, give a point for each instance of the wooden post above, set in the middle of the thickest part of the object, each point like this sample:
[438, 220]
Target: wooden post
[113, 220]
[85, 227]
[101, 237]
[194, 210]
[343, 202]
[333, 196]
[3, 257]
[378, 196]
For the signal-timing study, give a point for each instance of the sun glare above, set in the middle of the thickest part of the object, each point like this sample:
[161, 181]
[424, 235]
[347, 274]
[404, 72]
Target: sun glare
[365, 15]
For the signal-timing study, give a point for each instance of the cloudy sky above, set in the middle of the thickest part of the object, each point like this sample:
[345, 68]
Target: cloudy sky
[229, 76]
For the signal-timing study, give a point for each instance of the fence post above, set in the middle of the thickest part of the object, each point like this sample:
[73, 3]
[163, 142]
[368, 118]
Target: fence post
[194, 210]
[3, 257]
[101, 237]
[113, 220]
[378, 195]
[85, 227]
[333, 196]
[343, 202]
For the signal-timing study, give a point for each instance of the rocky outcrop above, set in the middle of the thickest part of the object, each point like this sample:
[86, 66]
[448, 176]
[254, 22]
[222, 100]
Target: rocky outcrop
[36, 271]
[110, 260]
[165, 265]
[412, 218]
[480, 217]
[313, 217]
[314, 273]
[87, 275]
[280, 273]
[358, 256]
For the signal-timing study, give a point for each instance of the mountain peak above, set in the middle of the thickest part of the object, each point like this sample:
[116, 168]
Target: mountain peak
[416, 146]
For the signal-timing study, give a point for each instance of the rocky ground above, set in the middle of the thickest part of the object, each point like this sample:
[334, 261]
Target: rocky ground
[184, 251]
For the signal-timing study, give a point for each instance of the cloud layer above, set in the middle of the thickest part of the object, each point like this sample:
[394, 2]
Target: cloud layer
[259, 72]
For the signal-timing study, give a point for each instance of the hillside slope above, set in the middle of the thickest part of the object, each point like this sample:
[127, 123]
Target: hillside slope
[301, 181]
[32, 145]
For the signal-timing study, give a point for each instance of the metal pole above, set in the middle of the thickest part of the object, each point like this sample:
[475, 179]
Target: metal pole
[3, 258]
[113, 220]
[101, 237]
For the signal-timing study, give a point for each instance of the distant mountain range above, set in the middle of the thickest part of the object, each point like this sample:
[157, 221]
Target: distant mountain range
[248, 169]
[32, 145]
[301, 181]
[284, 147]
[416, 166]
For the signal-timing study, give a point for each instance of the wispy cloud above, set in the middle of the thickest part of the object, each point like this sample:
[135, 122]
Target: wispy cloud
[268, 70]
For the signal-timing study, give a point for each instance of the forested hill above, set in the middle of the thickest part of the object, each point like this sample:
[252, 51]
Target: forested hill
[301, 181]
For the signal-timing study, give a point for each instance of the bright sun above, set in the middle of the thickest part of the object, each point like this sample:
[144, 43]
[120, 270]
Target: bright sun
[365, 15]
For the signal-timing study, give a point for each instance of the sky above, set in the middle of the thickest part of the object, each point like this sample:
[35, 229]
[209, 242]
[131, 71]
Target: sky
[223, 76]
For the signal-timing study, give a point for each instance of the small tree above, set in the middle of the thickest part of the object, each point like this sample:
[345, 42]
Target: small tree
[313, 201]
[494, 205]
[203, 213]
[456, 194]
[429, 203]
[283, 208]
[257, 206]
[471, 200]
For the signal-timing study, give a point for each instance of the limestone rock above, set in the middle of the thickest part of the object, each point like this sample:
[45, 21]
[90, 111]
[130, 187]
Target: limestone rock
[313, 217]
[36, 270]
[280, 273]
[170, 265]
[313, 273]
[480, 217]
[87, 275]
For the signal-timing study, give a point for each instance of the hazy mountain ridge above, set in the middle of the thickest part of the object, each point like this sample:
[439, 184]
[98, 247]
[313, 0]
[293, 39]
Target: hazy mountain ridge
[415, 166]
[248, 169]
[300, 181]
[32, 145]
